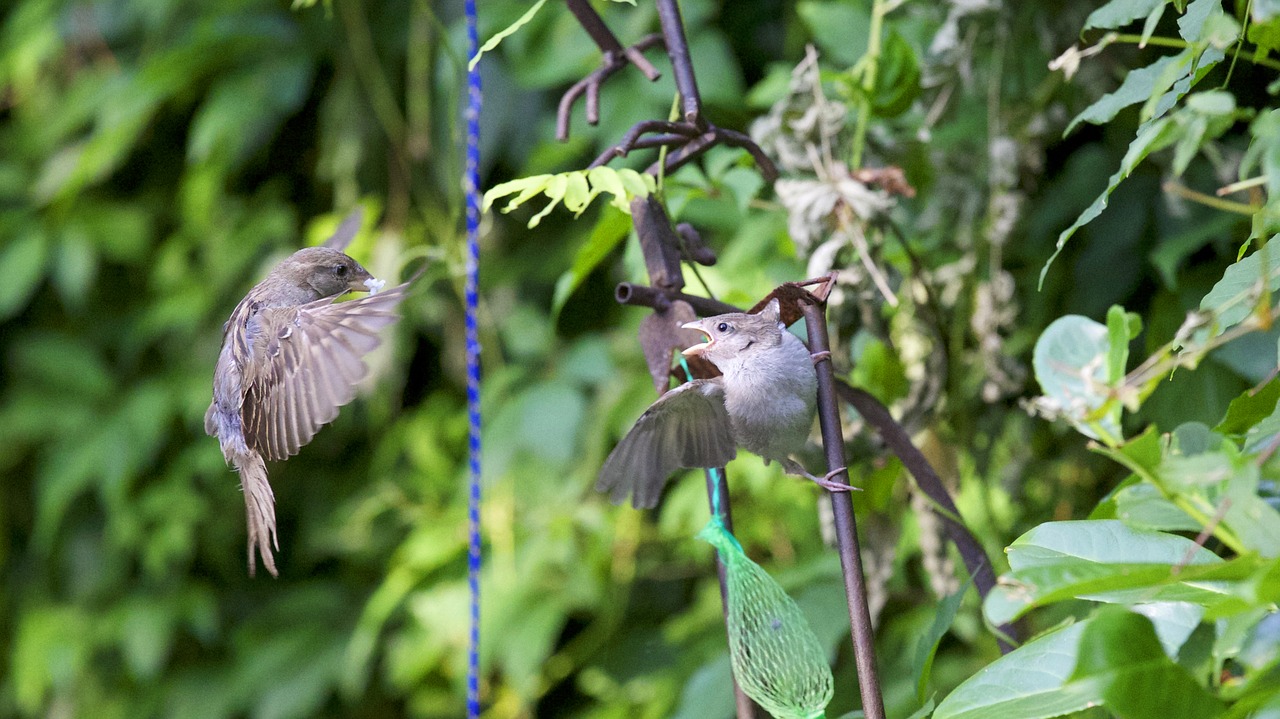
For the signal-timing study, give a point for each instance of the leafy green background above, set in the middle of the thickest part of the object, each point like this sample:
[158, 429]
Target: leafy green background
[156, 158]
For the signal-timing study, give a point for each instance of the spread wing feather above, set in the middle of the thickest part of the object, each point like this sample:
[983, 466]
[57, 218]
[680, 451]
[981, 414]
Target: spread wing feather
[687, 427]
[314, 358]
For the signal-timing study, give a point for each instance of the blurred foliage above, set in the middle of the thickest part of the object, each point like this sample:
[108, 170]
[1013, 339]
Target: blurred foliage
[159, 156]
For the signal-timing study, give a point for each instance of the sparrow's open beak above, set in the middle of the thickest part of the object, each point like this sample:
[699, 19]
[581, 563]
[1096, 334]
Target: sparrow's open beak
[699, 349]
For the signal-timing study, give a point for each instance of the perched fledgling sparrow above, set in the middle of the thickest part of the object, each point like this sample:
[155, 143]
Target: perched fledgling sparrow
[290, 358]
[764, 402]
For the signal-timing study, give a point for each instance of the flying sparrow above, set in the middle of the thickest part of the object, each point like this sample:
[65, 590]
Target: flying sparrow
[290, 358]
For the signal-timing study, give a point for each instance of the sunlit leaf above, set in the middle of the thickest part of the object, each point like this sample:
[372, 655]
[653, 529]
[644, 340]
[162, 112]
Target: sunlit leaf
[1072, 363]
[497, 39]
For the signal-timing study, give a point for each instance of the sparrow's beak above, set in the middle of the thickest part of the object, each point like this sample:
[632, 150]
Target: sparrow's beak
[701, 348]
[360, 281]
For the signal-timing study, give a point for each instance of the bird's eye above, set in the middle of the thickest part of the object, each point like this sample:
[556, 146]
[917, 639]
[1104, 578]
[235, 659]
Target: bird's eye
[340, 270]
[723, 327]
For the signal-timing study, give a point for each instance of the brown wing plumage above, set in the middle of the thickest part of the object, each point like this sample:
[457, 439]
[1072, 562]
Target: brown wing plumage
[687, 427]
[313, 361]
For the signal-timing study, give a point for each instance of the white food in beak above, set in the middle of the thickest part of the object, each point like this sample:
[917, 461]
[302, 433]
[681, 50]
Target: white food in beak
[375, 286]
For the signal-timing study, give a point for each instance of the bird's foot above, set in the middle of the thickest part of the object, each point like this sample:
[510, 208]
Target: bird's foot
[831, 485]
[820, 356]
[790, 466]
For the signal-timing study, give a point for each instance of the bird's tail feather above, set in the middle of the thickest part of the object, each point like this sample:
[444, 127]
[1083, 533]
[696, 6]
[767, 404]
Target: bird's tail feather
[260, 511]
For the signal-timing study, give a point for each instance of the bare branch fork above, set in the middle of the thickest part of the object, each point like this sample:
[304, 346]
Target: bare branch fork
[687, 138]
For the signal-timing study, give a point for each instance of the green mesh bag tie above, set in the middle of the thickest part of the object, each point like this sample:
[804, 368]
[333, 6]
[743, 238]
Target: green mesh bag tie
[776, 657]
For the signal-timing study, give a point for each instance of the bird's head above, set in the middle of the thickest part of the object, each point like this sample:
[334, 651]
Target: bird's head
[736, 336]
[326, 271]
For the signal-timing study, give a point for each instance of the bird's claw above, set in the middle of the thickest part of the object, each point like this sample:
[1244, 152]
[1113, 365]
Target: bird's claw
[820, 356]
[828, 484]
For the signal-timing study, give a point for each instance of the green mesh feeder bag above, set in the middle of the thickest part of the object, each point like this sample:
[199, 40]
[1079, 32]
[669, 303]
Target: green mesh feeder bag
[776, 657]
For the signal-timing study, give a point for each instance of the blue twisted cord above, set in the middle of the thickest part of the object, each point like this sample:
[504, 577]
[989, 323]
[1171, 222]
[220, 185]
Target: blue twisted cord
[472, 184]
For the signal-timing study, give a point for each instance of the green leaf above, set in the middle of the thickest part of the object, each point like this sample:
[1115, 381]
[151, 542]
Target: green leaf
[927, 647]
[526, 187]
[1152, 21]
[704, 695]
[1144, 506]
[1099, 560]
[1121, 328]
[1118, 13]
[1245, 286]
[1212, 102]
[1102, 542]
[1192, 438]
[838, 28]
[73, 270]
[575, 188]
[1028, 683]
[1176, 247]
[51, 648]
[897, 77]
[1137, 87]
[1224, 485]
[244, 111]
[555, 190]
[610, 229]
[1071, 361]
[1263, 153]
[577, 194]
[1153, 135]
[1250, 408]
[554, 441]
[1173, 621]
[1266, 34]
[494, 41]
[24, 262]
[745, 184]
[1196, 21]
[1120, 654]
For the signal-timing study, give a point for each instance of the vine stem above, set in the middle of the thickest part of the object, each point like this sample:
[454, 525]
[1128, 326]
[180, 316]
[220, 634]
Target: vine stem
[1216, 203]
[869, 65]
[1180, 44]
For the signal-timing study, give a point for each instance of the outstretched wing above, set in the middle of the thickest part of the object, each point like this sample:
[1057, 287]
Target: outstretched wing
[687, 427]
[313, 360]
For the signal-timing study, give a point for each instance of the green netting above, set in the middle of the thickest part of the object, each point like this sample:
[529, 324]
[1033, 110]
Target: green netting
[776, 657]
